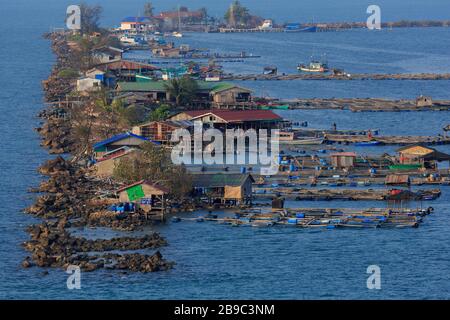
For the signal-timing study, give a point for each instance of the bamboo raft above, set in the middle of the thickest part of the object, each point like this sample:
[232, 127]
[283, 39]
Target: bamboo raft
[320, 218]
[366, 105]
[344, 194]
[392, 140]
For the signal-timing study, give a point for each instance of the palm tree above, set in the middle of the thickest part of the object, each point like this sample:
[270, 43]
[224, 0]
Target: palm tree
[183, 89]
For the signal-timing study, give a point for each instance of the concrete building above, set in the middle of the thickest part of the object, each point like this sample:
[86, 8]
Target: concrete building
[137, 24]
[88, 85]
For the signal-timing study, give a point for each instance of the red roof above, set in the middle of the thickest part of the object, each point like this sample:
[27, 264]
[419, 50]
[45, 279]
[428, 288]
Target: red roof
[237, 115]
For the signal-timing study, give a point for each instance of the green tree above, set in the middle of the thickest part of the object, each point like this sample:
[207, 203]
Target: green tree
[148, 9]
[183, 89]
[90, 17]
[154, 164]
[160, 113]
[237, 14]
[134, 114]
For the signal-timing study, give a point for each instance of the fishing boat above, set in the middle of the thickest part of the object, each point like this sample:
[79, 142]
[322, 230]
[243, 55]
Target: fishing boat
[314, 66]
[297, 27]
[367, 144]
[270, 70]
[303, 141]
[212, 78]
[130, 41]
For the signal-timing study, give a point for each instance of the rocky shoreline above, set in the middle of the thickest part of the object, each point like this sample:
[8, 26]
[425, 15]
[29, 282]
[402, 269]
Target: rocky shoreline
[71, 197]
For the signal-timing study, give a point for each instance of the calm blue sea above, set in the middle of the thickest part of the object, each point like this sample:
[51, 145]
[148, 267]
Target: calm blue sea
[215, 261]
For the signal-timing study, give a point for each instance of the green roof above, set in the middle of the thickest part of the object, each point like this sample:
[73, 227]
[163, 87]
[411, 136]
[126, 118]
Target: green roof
[219, 180]
[159, 86]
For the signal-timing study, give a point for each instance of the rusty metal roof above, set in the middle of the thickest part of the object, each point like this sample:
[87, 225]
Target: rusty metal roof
[398, 179]
[237, 115]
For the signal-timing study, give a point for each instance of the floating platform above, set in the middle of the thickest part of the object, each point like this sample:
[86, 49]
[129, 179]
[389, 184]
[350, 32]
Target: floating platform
[366, 105]
[345, 194]
[320, 218]
[384, 140]
[330, 76]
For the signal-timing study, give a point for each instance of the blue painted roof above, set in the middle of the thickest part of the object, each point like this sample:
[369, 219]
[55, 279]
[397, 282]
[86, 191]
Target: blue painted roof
[135, 19]
[119, 137]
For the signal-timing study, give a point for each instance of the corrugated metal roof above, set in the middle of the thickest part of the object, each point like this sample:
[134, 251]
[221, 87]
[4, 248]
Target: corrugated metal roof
[212, 87]
[180, 123]
[240, 115]
[127, 65]
[219, 180]
[119, 137]
[154, 185]
[343, 154]
[416, 147]
[397, 179]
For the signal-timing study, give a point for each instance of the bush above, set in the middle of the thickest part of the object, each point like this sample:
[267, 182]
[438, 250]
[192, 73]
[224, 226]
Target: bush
[68, 74]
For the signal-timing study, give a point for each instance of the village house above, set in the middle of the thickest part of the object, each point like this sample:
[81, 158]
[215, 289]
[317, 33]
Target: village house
[107, 54]
[126, 139]
[104, 167]
[397, 180]
[147, 196]
[161, 131]
[233, 119]
[421, 155]
[137, 24]
[133, 98]
[107, 78]
[88, 85]
[125, 70]
[222, 188]
[343, 159]
[213, 93]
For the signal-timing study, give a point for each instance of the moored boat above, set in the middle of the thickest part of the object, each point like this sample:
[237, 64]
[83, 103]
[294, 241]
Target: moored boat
[314, 66]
